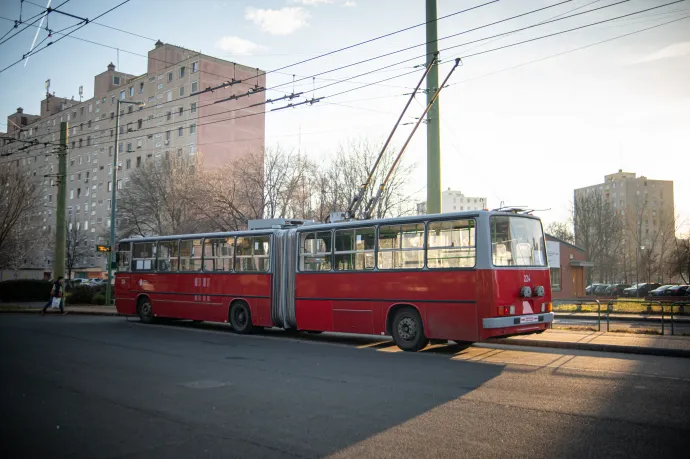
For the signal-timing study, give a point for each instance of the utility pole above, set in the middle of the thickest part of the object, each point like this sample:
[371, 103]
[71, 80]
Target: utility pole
[433, 133]
[60, 229]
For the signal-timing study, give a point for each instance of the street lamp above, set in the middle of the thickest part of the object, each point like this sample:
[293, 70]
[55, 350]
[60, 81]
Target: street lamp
[113, 201]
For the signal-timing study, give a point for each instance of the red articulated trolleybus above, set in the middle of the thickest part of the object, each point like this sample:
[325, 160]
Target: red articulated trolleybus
[464, 276]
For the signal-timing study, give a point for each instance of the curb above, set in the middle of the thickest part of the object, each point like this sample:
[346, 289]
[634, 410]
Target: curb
[70, 311]
[640, 350]
[667, 319]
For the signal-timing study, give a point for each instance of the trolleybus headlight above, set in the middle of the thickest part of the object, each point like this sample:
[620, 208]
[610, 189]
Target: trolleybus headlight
[539, 290]
[525, 292]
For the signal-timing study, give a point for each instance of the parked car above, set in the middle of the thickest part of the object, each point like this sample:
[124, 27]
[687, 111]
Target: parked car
[616, 290]
[661, 291]
[677, 290]
[600, 289]
[640, 290]
[589, 290]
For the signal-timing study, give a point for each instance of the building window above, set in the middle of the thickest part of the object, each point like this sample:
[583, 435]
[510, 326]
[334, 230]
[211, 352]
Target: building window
[181, 91]
[192, 128]
[129, 164]
[168, 116]
[138, 161]
[129, 147]
[122, 95]
[195, 66]
[167, 135]
[110, 188]
[192, 108]
[195, 86]
[168, 96]
[180, 131]
[160, 86]
[141, 87]
[116, 80]
[139, 123]
[182, 72]
[131, 91]
[170, 76]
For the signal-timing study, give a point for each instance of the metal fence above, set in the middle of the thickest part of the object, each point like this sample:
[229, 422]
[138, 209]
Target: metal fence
[668, 309]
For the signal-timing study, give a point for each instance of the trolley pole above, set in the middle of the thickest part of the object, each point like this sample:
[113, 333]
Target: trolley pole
[60, 229]
[433, 133]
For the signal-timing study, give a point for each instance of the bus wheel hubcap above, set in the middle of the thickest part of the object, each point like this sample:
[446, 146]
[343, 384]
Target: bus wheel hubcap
[240, 317]
[407, 329]
[146, 309]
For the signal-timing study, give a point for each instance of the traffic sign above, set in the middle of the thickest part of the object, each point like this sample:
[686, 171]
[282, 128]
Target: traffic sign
[103, 248]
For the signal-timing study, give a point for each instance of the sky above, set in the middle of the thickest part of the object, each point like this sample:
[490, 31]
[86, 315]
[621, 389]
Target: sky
[523, 125]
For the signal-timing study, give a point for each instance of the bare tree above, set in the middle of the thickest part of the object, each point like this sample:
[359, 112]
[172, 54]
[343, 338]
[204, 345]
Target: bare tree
[599, 230]
[562, 231]
[160, 198]
[679, 260]
[340, 180]
[19, 201]
[77, 250]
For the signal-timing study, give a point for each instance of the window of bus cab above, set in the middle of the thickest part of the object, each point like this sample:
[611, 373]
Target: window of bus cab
[123, 257]
[218, 254]
[190, 255]
[451, 244]
[143, 256]
[517, 241]
[316, 251]
[401, 246]
[355, 249]
[253, 253]
[167, 256]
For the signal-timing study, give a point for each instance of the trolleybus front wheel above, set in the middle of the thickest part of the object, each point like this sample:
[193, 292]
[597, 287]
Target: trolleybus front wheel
[408, 330]
[145, 310]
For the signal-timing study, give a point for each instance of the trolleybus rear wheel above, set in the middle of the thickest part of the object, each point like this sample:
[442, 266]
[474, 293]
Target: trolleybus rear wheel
[241, 318]
[408, 330]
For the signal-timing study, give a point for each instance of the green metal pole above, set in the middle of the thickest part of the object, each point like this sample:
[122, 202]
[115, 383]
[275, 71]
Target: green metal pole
[60, 228]
[109, 286]
[433, 134]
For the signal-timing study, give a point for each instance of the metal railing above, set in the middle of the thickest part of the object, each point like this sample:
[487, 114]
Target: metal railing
[649, 303]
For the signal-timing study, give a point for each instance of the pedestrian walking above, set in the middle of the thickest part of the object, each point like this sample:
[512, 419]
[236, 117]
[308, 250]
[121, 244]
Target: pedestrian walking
[55, 293]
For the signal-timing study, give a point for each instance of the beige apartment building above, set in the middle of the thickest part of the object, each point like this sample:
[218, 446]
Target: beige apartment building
[175, 120]
[646, 207]
[455, 201]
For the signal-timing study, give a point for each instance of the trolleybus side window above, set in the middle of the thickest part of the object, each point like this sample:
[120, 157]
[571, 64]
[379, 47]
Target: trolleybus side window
[167, 256]
[252, 254]
[517, 241]
[123, 257]
[218, 254]
[316, 251]
[190, 255]
[143, 256]
[354, 249]
[451, 244]
[401, 246]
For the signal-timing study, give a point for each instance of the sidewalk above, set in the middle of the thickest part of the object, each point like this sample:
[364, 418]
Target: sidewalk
[35, 308]
[628, 343]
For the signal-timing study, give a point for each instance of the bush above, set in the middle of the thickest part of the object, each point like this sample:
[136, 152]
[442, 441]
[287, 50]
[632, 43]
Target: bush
[81, 294]
[25, 290]
[98, 298]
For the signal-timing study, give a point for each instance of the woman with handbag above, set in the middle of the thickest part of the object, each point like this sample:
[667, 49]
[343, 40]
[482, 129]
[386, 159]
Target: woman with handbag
[55, 297]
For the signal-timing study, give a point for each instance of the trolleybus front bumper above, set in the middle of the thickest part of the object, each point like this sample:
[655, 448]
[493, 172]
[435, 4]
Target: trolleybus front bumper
[516, 321]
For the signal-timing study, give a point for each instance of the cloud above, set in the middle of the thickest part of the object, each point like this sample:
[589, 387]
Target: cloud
[675, 50]
[312, 2]
[278, 22]
[237, 45]
[350, 3]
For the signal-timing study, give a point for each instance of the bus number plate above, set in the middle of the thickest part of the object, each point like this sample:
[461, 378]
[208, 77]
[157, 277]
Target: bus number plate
[529, 319]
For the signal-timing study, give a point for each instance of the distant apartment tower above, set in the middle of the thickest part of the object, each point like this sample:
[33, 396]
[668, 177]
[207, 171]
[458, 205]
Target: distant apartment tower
[646, 207]
[175, 122]
[455, 201]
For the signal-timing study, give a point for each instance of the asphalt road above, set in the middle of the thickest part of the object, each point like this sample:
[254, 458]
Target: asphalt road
[102, 387]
